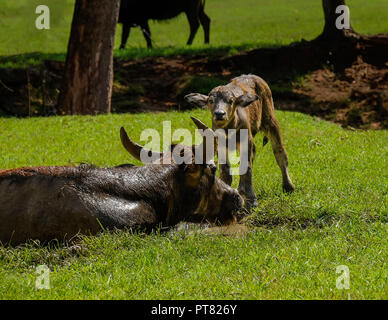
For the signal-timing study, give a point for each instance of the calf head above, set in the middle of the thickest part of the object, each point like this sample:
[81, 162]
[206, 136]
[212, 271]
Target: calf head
[222, 103]
[210, 198]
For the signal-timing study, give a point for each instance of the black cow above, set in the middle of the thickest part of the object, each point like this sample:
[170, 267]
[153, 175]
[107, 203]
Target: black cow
[138, 12]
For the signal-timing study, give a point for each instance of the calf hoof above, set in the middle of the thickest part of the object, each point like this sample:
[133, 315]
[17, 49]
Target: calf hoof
[227, 179]
[251, 203]
[288, 188]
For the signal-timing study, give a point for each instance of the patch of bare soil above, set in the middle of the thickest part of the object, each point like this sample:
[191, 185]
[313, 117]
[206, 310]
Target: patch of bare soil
[347, 84]
[356, 97]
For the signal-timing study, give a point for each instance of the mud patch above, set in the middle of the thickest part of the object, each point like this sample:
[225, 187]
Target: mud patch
[236, 230]
[231, 230]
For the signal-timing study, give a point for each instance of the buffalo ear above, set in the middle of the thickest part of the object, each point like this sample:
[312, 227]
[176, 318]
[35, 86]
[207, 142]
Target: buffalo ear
[245, 100]
[197, 99]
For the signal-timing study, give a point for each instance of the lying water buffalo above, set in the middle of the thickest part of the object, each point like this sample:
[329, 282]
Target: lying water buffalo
[138, 12]
[246, 103]
[48, 203]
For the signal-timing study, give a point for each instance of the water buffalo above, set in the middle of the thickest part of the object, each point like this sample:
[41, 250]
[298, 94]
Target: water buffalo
[138, 12]
[246, 103]
[48, 203]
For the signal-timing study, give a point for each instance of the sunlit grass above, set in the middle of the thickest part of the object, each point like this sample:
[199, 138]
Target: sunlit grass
[337, 216]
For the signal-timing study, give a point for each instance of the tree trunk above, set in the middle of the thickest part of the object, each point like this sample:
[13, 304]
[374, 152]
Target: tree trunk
[88, 77]
[330, 31]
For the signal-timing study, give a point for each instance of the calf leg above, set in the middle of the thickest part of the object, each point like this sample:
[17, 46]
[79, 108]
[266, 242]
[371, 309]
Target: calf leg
[245, 187]
[280, 155]
[145, 28]
[205, 21]
[125, 35]
[194, 25]
[225, 173]
[223, 159]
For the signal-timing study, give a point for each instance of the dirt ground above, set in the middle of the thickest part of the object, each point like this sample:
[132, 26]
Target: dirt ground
[357, 97]
[348, 88]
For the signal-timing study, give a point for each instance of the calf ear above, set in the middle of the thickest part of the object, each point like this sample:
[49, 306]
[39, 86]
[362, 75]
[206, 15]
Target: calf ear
[197, 99]
[245, 100]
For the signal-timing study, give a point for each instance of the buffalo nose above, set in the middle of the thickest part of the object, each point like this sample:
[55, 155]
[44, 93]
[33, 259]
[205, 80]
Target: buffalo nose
[219, 114]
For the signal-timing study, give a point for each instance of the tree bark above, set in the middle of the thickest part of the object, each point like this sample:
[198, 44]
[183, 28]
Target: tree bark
[88, 76]
[330, 31]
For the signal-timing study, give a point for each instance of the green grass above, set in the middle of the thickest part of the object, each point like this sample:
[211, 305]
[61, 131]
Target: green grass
[235, 26]
[337, 216]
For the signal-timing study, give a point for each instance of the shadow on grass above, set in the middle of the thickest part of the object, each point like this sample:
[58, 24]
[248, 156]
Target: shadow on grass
[208, 51]
[26, 60]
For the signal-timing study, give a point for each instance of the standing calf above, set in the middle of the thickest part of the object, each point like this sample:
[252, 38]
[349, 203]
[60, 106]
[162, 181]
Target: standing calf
[246, 103]
[138, 12]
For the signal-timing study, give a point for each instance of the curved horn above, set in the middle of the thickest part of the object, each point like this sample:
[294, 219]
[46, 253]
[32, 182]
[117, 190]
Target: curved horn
[200, 124]
[203, 146]
[135, 149]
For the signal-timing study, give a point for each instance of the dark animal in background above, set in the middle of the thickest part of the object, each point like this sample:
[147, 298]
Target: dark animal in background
[138, 12]
[246, 103]
[48, 203]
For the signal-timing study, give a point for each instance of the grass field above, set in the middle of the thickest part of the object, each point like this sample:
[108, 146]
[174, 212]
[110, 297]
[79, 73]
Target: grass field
[248, 24]
[337, 216]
